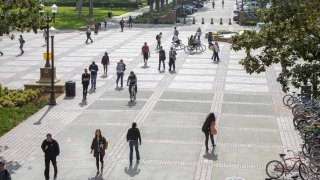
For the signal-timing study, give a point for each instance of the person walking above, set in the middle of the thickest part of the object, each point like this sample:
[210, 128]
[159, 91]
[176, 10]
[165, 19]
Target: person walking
[121, 67]
[98, 146]
[210, 39]
[176, 32]
[130, 21]
[121, 24]
[4, 173]
[105, 62]
[209, 129]
[93, 68]
[132, 81]
[1, 37]
[162, 58]
[146, 53]
[88, 32]
[85, 83]
[213, 3]
[172, 59]
[222, 3]
[51, 150]
[45, 35]
[96, 28]
[216, 52]
[133, 137]
[158, 38]
[198, 33]
[21, 41]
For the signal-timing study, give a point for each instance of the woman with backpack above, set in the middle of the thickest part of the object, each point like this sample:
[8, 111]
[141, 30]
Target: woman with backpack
[209, 129]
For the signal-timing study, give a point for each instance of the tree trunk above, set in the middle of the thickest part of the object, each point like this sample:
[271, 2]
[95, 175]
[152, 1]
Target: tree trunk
[158, 5]
[151, 5]
[162, 5]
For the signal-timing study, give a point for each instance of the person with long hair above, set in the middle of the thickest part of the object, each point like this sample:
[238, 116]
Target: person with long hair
[209, 129]
[98, 146]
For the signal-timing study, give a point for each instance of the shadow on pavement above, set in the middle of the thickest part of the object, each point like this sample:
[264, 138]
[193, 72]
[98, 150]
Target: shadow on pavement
[44, 115]
[118, 88]
[97, 177]
[211, 156]
[131, 104]
[132, 171]
[91, 91]
[83, 103]
[11, 166]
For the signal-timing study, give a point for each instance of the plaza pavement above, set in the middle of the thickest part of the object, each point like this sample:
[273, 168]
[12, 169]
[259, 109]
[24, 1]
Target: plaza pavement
[253, 125]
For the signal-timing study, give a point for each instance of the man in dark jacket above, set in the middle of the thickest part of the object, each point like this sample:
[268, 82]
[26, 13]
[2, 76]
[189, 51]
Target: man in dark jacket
[105, 63]
[162, 58]
[93, 68]
[4, 174]
[133, 136]
[85, 79]
[51, 150]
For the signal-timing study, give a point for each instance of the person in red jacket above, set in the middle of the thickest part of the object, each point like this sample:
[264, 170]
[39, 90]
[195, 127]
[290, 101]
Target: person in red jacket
[146, 53]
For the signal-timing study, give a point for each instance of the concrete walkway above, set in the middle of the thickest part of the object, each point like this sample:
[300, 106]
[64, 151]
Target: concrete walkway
[253, 125]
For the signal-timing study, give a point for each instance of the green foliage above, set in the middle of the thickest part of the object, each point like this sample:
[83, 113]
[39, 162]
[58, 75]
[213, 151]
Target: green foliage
[19, 15]
[291, 38]
[13, 98]
[12, 116]
[96, 3]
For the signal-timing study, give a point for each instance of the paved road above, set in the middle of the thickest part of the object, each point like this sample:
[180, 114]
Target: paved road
[253, 126]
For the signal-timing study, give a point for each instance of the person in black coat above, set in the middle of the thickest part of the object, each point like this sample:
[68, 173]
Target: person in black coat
[133, 137]
[105, 62]
[206, 129]
[4, 173]
[98, 146]
[93, 68]
[51, 150]
[85, 79]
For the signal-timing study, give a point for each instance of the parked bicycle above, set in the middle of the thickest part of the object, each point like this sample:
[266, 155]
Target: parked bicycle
[275, 168]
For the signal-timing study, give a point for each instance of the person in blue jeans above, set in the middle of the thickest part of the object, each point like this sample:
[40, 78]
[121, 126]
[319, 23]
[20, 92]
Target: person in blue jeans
[121, 67]
[133, 137]
[93, 68]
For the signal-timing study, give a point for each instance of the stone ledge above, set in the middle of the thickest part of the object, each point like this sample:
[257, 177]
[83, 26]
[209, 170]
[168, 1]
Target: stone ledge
[59, 86]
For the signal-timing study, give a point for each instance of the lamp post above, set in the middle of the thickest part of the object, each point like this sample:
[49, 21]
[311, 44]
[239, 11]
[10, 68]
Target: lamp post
[48, 20]
[54, 10]
[52, 101]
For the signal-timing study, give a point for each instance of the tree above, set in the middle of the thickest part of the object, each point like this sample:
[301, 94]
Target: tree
[151, 5]
[162, 5]
[20, 15]
[158, 5]
[291, 37]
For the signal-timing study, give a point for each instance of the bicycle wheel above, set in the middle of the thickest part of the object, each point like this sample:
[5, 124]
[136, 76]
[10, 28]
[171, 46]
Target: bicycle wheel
[182, 46]
[297, 109]
[173, 46]
[313, 168]
[303, 171]
[204, 47]
[291, 100]
[274, 169]
[302, 124]
[305, 149]
[187, 49]
[199, 49]
[285, 99]
[315, 154]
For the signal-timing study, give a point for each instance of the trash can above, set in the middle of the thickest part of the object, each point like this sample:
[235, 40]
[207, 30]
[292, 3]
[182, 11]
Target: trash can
[306, 93]
[109, 14]
[70, 89]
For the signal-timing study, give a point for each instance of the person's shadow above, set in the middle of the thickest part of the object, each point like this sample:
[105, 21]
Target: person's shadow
[211, 156]
[97, 177]
[83, 103]
[132, 171]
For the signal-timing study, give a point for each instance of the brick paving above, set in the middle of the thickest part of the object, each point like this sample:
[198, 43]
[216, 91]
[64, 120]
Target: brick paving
[253, 125]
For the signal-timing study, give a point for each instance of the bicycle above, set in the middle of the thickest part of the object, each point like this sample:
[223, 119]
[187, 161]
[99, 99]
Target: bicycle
[177, 46]
[275, 169]
[133, 93]
[196, 47]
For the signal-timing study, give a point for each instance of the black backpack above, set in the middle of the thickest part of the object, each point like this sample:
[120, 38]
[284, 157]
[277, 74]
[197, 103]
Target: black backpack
[157, 37]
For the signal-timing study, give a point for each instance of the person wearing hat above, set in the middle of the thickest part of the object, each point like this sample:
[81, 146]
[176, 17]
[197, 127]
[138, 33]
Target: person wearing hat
[4, 173]
[105, 62]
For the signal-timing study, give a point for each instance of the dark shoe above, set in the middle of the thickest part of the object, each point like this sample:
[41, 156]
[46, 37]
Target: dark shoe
[207, 149]
[214, 145]
[98, 172]
[55, 176]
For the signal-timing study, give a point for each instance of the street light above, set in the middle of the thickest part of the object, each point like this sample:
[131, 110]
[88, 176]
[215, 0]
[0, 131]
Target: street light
[52, 101]
[54, 10]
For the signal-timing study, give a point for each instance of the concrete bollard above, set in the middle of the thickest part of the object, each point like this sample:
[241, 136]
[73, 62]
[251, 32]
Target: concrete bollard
[220, 21]
[193, 20]
[202, 22]
[184, 20]
[211, 20]
[229, 21]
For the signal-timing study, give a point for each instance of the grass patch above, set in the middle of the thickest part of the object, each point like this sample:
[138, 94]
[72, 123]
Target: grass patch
[67, 17]
[12, 116]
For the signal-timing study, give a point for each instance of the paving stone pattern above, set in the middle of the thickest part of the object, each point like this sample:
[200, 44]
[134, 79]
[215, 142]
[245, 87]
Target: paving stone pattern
[253, 126]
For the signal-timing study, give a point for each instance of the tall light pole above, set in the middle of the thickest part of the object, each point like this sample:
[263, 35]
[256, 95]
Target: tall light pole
[48, 20]
[52, 101]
